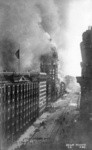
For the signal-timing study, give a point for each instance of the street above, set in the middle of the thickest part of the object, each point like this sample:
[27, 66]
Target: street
[59, 128]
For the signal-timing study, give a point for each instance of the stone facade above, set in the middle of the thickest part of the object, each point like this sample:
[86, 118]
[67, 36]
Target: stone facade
[85, 80]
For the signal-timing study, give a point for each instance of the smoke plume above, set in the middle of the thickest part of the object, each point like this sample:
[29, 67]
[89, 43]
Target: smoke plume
[25, 25]
[29, 25]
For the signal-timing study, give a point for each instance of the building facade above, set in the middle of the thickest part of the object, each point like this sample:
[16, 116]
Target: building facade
[49, 65]
[86, 75]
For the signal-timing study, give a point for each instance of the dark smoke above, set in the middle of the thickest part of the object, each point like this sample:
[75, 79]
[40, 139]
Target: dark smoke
[29, 24]
[23, 21]
[8, 49]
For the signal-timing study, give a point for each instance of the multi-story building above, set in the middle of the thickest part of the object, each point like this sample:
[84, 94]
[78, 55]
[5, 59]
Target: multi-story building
[86, 75]
[22, 100]
[49, 65]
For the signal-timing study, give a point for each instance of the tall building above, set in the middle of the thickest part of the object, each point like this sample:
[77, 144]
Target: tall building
[86, 75]
[49, 65]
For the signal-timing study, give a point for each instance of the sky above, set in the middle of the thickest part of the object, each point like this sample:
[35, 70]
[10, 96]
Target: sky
[29, 25]
[79, 18]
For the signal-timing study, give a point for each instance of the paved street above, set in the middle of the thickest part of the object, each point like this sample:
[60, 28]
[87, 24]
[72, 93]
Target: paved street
[61, 129]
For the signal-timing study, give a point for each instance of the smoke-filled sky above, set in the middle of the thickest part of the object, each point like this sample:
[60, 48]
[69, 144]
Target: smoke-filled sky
[28, 25]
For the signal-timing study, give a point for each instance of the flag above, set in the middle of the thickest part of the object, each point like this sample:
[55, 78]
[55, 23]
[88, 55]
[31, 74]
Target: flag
[18, 54]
